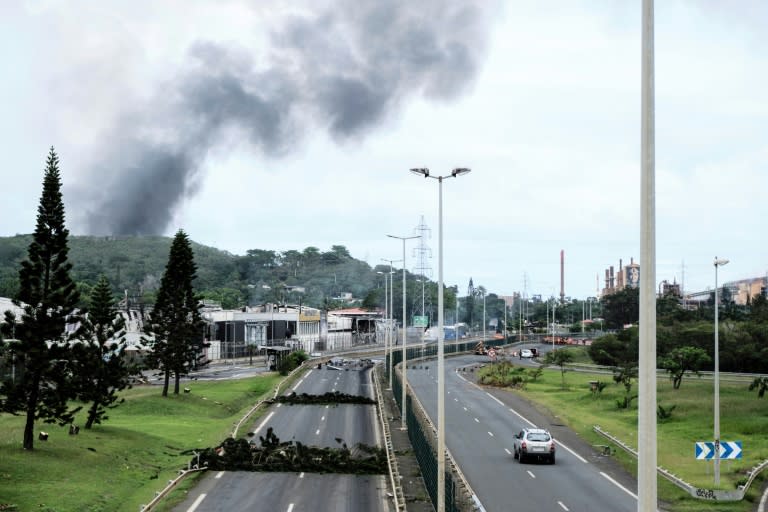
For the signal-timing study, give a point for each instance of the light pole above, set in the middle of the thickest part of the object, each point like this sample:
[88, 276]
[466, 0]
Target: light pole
[441, 338]
[403, 424]
[390, 319]
[718, 263]
[386, 312]
[647, 486]
[484, 322]
[505, 321]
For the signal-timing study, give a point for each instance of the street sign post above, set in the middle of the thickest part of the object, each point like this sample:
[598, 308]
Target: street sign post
[705, 450]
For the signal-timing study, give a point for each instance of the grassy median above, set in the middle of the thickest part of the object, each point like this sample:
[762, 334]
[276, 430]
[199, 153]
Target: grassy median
[120, 465]
[743, 417]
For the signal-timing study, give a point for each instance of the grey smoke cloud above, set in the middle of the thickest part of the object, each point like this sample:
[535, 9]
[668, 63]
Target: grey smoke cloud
[343, 69]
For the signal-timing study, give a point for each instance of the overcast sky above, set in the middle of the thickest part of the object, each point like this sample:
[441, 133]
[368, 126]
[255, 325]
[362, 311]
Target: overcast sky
[282, 125]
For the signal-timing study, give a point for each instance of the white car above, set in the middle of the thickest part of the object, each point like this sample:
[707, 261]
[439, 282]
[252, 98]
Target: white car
[534, 443]
[526, 353]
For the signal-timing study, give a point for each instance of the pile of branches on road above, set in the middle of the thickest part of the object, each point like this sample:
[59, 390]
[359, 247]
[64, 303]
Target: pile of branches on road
[334, 397]
[274, 455]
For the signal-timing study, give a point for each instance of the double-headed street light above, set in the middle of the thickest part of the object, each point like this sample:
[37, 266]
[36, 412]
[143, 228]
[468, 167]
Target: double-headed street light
[440, 339]
[390, 319]
[403, 424]
[718, 263]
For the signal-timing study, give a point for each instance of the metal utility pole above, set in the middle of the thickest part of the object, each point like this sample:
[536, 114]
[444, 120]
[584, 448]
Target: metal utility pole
[390, 320]
[440, 340]
[403, 422]
[718, 263]
[647, 492]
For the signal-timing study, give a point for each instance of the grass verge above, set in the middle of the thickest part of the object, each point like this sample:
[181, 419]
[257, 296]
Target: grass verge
[119, 465]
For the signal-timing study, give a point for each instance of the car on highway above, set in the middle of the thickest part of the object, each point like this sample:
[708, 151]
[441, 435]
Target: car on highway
[535, 443]
[526, 353]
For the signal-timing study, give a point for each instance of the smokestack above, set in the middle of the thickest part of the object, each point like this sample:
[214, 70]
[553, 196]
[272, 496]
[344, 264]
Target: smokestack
[613, 279]
[620, 276]
[562, 275]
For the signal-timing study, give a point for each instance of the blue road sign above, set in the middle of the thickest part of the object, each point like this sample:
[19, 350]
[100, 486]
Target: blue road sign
[705, 450]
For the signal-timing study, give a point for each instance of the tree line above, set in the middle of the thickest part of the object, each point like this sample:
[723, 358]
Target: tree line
[685, 337]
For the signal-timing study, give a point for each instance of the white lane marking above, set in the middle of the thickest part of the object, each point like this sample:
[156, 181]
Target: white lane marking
[562, 505]
[197, 503]
[219, 474]
[322, 418]
[332, 390]
[465, 380]
[617, 484]
[582, 459]
[280, 404]
[298, 384]
[477, 420]
[529, 472]
[499, 401]
[290, 508]
[523, 418]
[465, 408]
[508, 452]
[317, 432]
[269, 417]
[490, 434]
[301, 475]
[455, 399]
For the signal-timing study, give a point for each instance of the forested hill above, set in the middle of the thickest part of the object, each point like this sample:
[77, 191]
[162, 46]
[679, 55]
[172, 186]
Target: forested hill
[136, 264]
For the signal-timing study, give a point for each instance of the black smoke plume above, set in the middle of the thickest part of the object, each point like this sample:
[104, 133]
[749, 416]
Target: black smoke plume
[343, 69]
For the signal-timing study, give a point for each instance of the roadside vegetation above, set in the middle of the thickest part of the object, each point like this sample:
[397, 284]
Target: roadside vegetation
[685, 416]
[120, 465]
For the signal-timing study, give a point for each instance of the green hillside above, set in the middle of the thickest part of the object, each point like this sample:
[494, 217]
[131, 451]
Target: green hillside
[136, 263]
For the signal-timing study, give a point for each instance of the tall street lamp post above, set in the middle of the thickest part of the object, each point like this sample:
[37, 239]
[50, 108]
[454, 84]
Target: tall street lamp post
[403, 424]
[390, 319]
[647, 486]
[386, 313]
[718, 263]
[440, 338]
[484, 321]
[505, 321]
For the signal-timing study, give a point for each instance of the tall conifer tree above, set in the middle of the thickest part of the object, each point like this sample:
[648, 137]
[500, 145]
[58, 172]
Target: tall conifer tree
[41, 385]
[175, 321]
[101, 368]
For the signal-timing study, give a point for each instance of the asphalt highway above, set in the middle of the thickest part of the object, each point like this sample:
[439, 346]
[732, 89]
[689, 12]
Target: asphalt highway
[479, 434]
[316, 425]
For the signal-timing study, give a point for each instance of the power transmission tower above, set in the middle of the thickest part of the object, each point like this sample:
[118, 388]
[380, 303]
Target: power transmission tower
[422, 253]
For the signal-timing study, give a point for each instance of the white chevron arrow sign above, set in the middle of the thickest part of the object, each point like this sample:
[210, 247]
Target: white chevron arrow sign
[705, 450]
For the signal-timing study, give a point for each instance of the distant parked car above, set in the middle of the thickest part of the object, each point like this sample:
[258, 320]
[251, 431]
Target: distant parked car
[534, 443]
[526, 353]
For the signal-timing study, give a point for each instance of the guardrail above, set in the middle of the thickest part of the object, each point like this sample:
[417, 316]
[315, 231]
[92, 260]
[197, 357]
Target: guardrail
[660, 372]
[696, 492]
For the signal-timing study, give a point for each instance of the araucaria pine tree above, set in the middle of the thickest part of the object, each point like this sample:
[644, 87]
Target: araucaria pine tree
[100, 366]
[42, 385]
[175, 322]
